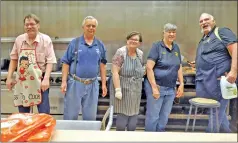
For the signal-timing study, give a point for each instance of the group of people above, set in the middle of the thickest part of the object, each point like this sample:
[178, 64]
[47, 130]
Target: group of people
[85, 59]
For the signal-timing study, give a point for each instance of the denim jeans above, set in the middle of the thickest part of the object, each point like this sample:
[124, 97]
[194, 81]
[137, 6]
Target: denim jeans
[222, 118]
[79, 96]
[43, 107]
[158, 111]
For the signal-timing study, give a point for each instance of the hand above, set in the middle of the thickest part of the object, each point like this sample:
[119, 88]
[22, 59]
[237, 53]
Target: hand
[180, 91]
[118, 93]
[156, 93]
[10, 83]
[231, 76]
[63, 87]
[104, 90]
[45, 84]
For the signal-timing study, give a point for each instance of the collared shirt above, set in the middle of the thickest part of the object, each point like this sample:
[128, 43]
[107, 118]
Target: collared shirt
[167, 63]
[214, 51]
[89, 57]
[44, 49]
[120, 55]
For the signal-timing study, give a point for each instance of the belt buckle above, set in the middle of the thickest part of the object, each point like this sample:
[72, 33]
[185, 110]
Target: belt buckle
[73, 76]
[86, 81]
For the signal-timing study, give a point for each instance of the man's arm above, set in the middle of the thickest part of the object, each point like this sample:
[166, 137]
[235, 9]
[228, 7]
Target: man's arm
[103, 76]
[229, 39]
[66, 60]
[65, 72]
[103, 63]
[12, 66]
[50, 60]
[232, 75]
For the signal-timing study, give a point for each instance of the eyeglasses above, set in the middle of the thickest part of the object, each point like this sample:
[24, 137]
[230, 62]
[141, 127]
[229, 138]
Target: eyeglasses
[30, 24]
[134, 40]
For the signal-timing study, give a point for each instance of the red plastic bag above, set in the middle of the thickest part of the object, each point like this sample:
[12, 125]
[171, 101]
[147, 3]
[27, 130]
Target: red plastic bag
[26, 127]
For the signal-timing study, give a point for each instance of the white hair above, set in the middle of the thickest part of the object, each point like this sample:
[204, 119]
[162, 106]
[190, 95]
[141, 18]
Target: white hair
[212, 18]
[169, 27]
[89, 17]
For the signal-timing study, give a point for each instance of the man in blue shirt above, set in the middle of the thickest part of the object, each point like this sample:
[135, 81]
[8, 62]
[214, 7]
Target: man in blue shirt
[215, 57]
[84, 59]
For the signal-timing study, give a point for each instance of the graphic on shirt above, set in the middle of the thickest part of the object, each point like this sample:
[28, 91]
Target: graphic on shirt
[98, 52]
[176, 54]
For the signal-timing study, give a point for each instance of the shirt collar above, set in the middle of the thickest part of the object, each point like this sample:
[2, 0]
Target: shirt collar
[37, 39]
[208, 35]
[82, 41]
[163, 45]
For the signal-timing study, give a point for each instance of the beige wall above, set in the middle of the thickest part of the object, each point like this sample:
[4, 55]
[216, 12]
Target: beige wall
[116, 19]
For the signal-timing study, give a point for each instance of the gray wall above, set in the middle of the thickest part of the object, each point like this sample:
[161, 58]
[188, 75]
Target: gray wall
[116, 19]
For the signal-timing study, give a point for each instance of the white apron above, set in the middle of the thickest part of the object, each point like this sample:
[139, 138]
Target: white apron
[28, 78]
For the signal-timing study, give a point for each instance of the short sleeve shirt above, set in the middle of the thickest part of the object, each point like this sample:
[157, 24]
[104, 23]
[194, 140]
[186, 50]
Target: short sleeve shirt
[89, 57]
[214, 51]
[118, 58]
[167, 63]
[44, 49]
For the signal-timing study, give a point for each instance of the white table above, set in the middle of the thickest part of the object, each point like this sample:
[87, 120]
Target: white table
[110, 136]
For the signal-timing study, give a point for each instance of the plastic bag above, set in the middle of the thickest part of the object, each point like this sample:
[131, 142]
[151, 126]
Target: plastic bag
[26, 127]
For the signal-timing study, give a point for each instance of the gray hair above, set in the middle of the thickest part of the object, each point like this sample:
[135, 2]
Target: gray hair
[169, 27]
[89, 17]
[212, 18]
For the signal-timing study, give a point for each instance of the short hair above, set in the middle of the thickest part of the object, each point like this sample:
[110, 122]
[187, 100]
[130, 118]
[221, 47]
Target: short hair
[89, 17]
[23, 58]
[212, 17]
[37, 20]
[169, 27]
[133, 33]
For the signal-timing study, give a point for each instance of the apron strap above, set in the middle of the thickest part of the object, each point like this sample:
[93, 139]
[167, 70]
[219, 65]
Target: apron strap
[76, 55]
[126, 54]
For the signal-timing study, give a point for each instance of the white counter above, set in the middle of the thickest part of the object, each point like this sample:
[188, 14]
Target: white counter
[111, 136]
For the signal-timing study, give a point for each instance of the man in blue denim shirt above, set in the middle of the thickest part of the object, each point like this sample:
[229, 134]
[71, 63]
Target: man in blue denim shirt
[163, 69]
[84, 59]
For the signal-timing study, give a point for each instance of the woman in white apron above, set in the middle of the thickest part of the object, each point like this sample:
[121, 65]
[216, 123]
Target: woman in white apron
[126, 83]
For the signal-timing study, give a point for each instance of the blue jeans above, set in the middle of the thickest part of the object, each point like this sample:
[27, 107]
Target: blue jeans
[222, 117]
[43, 107]
[158, 111]
[81, 95]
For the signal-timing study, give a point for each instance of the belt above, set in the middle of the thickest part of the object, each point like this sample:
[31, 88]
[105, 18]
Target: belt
[84, 81]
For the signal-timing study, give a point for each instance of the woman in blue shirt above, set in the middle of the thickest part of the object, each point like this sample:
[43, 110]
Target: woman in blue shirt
[163, 69]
